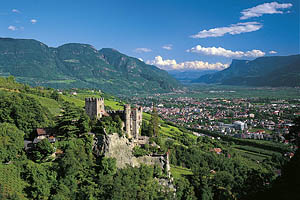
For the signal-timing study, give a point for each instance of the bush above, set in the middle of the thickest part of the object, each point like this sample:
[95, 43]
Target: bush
[138, 151]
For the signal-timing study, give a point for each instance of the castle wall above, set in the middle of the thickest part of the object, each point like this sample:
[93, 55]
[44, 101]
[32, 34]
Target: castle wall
[132, 118]
[121, 148]
[114, 113]
[137, 116]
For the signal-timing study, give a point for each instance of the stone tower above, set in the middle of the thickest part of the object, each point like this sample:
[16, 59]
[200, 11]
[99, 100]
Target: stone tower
[137, 116]
[94, 107]
[127, 117]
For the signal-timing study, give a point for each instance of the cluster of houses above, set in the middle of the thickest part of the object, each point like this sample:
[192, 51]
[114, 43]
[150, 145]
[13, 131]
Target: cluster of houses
[228, 116]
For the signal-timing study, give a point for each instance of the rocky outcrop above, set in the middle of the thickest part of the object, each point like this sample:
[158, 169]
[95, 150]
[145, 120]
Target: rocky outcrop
[121, 148]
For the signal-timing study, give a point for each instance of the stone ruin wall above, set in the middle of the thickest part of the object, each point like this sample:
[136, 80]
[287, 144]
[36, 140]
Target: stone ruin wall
[132, 117]
[121, 148]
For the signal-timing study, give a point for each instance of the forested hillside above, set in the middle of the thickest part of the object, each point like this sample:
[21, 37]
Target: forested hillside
[80, 66]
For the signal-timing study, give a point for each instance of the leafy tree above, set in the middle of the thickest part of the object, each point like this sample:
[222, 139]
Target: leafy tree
[157, 171]
[42, 151]
[184, 190]
[23, 111]
[72, 122]
[11, 79]
[56, 96]
[41, 179]
[83, 123]
[145, 128]
[108, 125]
[11, 142]
[67, 122]
[74, 171]
[138, 183]
[138, 151]
[108, 166]
[119, 122]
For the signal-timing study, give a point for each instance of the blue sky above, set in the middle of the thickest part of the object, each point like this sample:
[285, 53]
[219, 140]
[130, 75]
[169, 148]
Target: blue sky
[172, 34]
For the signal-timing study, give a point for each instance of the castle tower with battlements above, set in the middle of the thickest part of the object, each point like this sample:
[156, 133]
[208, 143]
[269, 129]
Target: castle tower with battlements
[127, 120]
[94, 107]
[133, 121]
[137, 116]
[132, 117]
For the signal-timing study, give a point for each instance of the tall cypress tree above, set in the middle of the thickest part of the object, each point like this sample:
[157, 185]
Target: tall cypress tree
[72, 122]
[154, 123]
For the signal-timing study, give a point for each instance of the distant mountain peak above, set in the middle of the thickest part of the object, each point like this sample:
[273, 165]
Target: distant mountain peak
[262, 71]
[110, 49]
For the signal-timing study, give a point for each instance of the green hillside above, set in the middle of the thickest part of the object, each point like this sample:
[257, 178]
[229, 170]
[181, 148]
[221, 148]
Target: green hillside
[80, 66]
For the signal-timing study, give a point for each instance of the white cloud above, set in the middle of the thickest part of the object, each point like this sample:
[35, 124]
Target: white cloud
[142, 50]
[266, 8]
[188, 65]
[232, 29]
[167, 47]
[219, 51]
[272, 52]
[15, 11]
[12, 28]
[33, 21]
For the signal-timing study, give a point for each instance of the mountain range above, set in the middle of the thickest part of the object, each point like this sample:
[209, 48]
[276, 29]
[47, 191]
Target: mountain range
[77, 65]
[186, 76]
[271, 71]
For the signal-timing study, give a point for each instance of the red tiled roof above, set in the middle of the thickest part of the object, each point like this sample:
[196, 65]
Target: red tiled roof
[105, 114]
[218, 150]
[41, 131]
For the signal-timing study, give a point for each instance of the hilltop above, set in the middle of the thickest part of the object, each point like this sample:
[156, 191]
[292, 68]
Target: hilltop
[77, 65]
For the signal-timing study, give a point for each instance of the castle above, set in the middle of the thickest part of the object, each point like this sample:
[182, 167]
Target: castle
[121, 148]
[132, 117]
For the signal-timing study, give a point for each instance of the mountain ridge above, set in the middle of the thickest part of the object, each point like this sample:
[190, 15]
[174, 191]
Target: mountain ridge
[264, 71]
[77, 65]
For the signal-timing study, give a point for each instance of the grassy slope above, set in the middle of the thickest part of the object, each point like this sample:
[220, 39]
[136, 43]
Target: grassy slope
[11, 183]
[51, 104]
[166, 129]
[78, 100]
[251, 155]
[169, 131]
[8, 86]
[178, 171]
[254, 153]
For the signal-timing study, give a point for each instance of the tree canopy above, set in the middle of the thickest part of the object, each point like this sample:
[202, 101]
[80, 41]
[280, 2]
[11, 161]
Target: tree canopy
[11, 142]
[23, 111]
